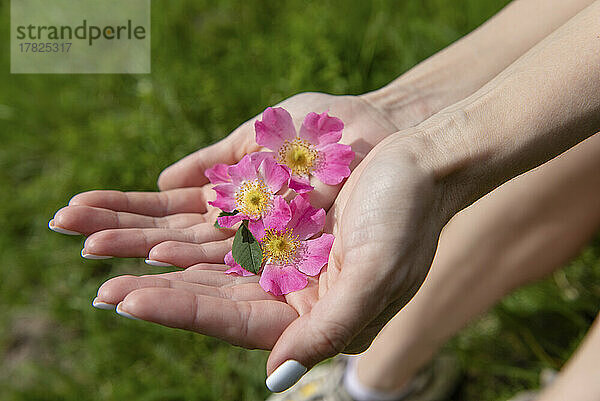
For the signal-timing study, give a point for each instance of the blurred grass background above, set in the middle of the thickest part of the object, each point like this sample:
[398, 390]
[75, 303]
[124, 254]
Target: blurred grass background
[214, 65]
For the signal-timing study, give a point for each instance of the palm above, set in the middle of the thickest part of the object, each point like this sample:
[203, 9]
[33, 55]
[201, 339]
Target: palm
[175, 226]
[386, 225]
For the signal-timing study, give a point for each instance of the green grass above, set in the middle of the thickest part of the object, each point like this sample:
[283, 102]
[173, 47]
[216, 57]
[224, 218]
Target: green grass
[214, 65]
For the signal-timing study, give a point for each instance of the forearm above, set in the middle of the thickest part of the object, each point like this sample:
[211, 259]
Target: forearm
[540, 106]
[464, 67]
[519, 233]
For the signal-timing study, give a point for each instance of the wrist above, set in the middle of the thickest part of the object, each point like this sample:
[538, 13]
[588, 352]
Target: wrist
[446, 151]
[401, 104]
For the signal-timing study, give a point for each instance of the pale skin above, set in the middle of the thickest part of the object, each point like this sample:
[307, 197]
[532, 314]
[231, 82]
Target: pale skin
[517, 234]
[413, 182]
[579, 378]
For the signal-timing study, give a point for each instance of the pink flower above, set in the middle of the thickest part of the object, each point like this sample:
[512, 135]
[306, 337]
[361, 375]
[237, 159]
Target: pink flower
[248, 187]
[314, 151]
[288, 253]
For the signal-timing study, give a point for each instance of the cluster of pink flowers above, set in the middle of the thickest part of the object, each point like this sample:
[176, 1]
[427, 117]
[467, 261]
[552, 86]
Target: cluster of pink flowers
[251, 192]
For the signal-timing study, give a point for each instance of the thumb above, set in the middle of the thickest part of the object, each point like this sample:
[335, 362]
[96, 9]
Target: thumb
[328, 329]
[189, 171]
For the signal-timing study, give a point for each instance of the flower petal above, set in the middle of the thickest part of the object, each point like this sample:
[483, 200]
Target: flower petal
[306, 220]
[281, 280]
[275, 128]
[244, 170]
[225, 197]
[321, 129]
[334, 163]
[258, 157]
[314, 254]
[279, 216]
[273, 174]
[300, 185]
[217, 174]
[230, 221]
[235, 267]
[257, 228]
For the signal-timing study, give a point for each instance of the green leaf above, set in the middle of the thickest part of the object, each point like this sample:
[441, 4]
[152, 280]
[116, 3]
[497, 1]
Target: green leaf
[246, 249]
[224, 214]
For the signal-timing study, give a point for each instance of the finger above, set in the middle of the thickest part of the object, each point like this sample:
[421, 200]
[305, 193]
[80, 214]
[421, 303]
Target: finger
[135, 242]
[185, 254]
[158, 204]
[209, 275]
[189, 171]
[199, 274]
[116, 289]
[250, 324]
[88, 220]
[208, 267]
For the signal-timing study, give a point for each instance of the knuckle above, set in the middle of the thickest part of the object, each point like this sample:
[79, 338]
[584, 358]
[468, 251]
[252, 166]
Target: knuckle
[245, 311]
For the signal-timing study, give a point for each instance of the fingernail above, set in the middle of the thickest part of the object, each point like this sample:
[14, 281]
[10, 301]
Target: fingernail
[102, 305]
[61, 230]
[157, 263]
[121, 312]
[92, 256]
[285, 376]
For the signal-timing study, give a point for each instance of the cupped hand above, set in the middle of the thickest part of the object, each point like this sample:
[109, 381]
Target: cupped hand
[386, 220]
[175, 226]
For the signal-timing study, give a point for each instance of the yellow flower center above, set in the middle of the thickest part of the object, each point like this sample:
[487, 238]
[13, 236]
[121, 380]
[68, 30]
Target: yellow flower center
[299, 155]
[253, 198]
[280, 248]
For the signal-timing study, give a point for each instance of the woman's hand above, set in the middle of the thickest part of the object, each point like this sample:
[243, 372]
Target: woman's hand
[386, 221]
[176, 226]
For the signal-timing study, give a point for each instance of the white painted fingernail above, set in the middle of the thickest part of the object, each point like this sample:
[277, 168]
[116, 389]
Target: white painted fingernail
[60, 230]
[121, 312]
[157, 263]
[92, 256]
[285, 376]
[102, 305]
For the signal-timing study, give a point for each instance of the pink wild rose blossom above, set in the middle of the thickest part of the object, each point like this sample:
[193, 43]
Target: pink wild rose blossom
[314, 151]
[288, 253]
[248, 187]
